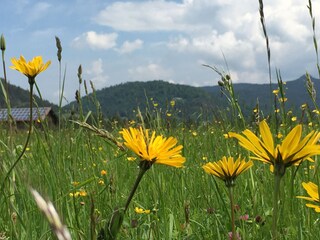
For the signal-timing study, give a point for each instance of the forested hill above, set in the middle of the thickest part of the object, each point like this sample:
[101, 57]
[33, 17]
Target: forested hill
[250, 94]
[20, 97]
[123, 99]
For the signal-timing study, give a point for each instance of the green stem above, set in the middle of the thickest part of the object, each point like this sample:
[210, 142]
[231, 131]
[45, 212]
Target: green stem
[135, 186]
[277, 180]
[28, 137]
[232, 213]
[114, 224]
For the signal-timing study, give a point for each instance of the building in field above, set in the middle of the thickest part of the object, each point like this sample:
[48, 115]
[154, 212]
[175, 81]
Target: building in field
[21, 116]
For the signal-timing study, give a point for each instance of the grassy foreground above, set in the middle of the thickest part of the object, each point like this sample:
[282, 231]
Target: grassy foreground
[86, 178]
[89, 178]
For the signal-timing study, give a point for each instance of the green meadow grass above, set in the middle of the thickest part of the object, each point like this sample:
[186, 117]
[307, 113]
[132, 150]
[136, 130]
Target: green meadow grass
[185, 203]
[65, 165]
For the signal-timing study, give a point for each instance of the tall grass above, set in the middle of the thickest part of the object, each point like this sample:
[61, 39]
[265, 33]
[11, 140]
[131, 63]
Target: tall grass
[87, 177]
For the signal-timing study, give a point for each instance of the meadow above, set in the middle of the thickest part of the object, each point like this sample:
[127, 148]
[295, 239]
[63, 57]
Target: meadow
[88, 172]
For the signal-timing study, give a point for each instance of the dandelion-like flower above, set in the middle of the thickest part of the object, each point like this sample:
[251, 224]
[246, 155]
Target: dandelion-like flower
[141, 210]
[227, 169]
[313, 192]
[153, 149]
[30, 69]
[291, 151]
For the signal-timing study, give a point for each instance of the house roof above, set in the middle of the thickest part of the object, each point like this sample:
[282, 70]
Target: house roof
[23, 114]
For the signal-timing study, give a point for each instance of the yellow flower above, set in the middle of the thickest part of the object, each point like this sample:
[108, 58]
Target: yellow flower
[75, 183]
[103, 172]
[283, 99]
[279, 135]
[293, 119]
[131, 158]
[30, 69]
[83, 193]
[225, 135]
[141, 211]
[304, 106]
[227, 169]
[153, 149]
[313, 192]
[275, 92]
[290, 151]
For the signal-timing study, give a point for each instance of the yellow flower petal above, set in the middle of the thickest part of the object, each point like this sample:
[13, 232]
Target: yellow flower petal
[156, 149]
[30, 69]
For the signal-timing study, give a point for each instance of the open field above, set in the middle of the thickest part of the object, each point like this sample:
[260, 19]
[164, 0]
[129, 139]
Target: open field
[143, 178]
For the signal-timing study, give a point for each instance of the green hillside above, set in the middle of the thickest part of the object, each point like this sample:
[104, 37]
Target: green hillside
[20, 98]
[123, 99]
[249, 94]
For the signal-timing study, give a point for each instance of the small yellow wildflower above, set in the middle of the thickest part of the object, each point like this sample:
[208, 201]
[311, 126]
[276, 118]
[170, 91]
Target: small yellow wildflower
[131, 158]
[227, 169]
[304, 106]
[83, 193]
[277, 110]
[279, 135]
[313, 192]
[283, 99]
[275, 92]
[194, 133]
[141, 210]
[172, 103]
[132, 122]
[169, 114]
[75, 183]
[293, 119]
[101, 182]
[316, 111]
[103, 172]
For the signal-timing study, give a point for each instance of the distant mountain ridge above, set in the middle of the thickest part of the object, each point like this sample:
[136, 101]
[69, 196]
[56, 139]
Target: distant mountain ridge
[121, 100]
[249, 94]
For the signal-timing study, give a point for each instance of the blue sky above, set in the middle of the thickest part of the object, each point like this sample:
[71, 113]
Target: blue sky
[140, 40]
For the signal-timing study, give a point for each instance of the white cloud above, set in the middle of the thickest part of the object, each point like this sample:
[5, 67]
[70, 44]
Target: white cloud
[96, 74]
[128, 47]
[156, 15]
[95, 40]
[149, 72]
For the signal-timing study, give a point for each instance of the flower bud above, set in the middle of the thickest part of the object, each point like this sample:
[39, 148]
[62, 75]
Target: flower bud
[2, 43]
[58, 44]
